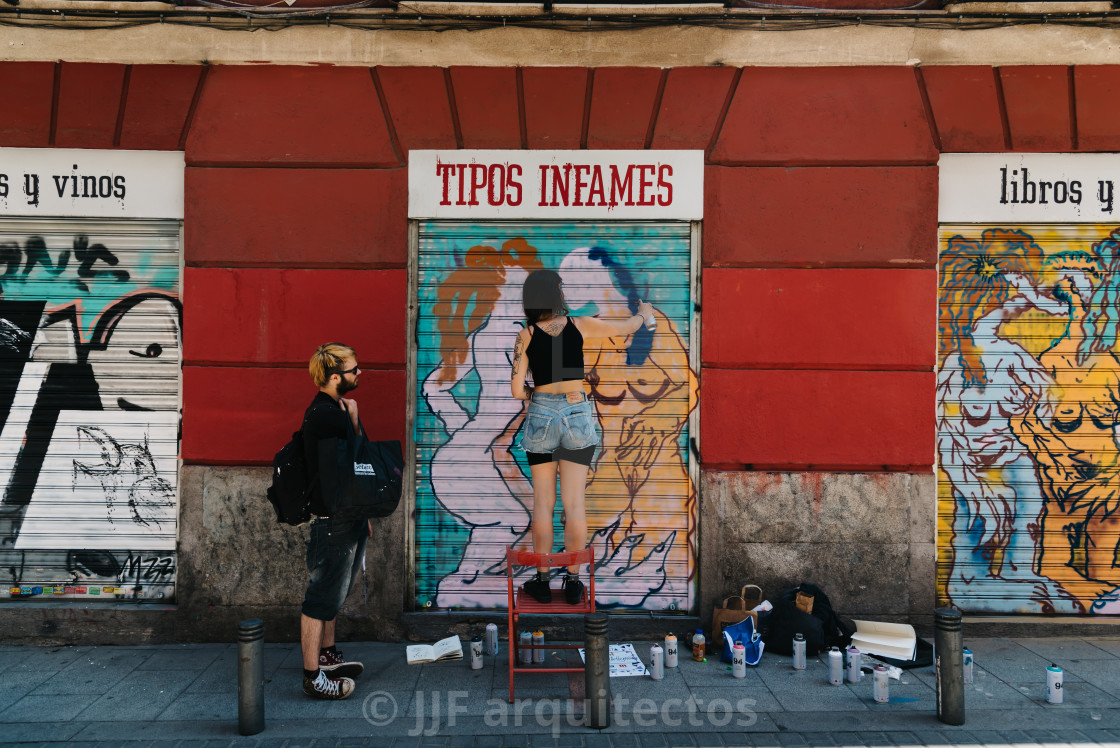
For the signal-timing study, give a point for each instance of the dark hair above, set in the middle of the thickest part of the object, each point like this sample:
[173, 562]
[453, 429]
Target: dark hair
[541, 296]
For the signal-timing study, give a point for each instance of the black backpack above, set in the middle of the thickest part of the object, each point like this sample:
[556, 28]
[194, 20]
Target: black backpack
[822, 628]
[290, 492]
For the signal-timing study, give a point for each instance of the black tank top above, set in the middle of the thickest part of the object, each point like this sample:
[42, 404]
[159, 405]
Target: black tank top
[556, 359]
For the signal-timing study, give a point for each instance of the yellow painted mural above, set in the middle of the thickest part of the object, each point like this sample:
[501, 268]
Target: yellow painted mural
[1028, 403]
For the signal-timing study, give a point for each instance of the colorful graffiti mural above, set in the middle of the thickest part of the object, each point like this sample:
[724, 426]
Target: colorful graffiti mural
[473, 493]
[1028, 395]
[90, 324]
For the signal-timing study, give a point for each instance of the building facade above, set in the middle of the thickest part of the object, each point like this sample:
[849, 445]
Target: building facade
[879, 241]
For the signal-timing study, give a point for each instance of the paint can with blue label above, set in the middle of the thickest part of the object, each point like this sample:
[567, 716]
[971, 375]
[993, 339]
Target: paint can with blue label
[967, 657]
[1054, 685]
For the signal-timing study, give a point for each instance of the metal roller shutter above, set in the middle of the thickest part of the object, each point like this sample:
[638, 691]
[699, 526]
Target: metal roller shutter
[473, 495]
[90, 322]
[1028, 404]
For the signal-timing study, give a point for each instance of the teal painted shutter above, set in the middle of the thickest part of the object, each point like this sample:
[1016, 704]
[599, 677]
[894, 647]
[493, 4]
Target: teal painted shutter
[473, 495]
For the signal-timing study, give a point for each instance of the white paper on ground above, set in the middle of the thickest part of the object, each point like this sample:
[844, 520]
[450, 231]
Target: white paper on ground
[895, 640]
[624, 661]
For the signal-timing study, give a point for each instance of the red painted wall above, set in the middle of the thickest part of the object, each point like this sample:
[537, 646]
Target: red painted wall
[819, 242]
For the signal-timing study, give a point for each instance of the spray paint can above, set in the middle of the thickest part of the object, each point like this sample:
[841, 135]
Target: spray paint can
[491, 639]
[524, 656]
[798, 652]
[538, 654]
[656, 662]
[854, 673]
[835, 667]
[967, 653]
[739, 660]
[671, 650]
[882, 685]
[476, 653]
[651, 323]
[1054, 684]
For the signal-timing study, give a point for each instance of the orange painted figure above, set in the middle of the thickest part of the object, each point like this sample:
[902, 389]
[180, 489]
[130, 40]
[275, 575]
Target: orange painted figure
[641, 502]
[1071, 434]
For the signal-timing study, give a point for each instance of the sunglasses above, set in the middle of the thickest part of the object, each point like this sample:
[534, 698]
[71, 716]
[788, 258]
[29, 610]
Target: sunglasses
[345, 371]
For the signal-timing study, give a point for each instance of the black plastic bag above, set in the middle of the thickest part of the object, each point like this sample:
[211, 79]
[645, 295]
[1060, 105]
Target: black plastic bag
[822, 628]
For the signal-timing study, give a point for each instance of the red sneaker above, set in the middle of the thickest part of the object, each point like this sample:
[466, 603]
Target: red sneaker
[335, 665]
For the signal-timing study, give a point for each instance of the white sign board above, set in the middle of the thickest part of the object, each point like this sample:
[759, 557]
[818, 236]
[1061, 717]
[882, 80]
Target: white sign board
[1029, 187]
[602, 185]
[72, 183]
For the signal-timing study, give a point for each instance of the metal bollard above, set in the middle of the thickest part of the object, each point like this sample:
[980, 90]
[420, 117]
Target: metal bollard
[949, 665]
[596, 676]
[250, 676]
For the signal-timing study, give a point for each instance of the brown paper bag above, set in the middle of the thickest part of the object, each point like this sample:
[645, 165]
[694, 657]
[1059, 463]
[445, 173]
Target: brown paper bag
[804, 602]
[735, 609]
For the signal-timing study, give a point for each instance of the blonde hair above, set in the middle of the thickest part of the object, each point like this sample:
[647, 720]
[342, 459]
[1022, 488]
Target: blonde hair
[327, 360]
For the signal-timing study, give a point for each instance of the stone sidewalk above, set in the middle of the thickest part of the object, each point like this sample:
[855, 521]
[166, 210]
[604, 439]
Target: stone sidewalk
[186, 695]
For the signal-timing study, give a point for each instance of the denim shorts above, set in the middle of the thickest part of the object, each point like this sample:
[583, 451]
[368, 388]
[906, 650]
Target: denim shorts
[552, 422]
[334, 558]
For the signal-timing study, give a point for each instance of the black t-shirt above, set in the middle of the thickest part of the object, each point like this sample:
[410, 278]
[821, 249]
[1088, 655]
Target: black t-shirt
[323, 419]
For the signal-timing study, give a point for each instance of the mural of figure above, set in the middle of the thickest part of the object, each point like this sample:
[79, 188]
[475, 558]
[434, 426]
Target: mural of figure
[1072, 436]
[986, 380]
[91, 330]
[478, 311]
[643, 390]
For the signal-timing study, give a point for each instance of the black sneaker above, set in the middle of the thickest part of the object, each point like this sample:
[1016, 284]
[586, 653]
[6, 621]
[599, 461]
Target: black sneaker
[573, 590]
[538, 589]
[326, 687]
[335, 665]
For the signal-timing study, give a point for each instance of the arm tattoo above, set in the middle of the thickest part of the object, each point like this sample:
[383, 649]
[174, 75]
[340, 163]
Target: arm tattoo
[517, 348]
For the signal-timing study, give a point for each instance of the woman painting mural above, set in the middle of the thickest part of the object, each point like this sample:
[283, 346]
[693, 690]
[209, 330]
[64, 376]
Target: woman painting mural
[559, 433]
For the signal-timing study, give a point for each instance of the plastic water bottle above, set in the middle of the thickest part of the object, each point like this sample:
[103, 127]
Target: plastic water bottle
[698, 645]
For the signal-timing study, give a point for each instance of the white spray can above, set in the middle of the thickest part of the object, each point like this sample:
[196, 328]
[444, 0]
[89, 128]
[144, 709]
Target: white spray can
[671, 651]
[491, 639]
[854, 673]
[1054, 684]
[524, 655]
[798, 652]
[656, 662]
[967, 657]
[835, 667]
[882, 685]
[476, 653]
[538, 654]
[739, 660]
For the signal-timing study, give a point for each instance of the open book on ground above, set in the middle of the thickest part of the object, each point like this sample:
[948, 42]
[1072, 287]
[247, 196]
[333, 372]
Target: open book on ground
[445, 649]
[895, 640]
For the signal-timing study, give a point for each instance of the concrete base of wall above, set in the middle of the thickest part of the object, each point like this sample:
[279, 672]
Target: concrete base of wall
[867, 540]
[235, 562]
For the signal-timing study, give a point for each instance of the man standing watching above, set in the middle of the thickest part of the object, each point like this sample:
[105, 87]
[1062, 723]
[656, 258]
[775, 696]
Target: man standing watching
[337, 547]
